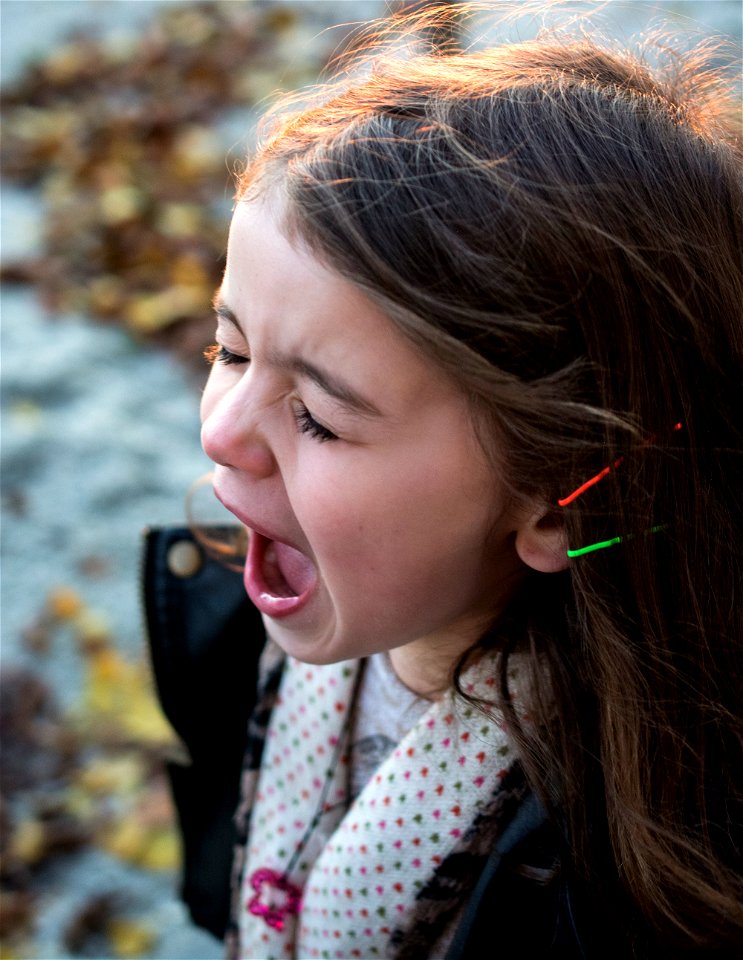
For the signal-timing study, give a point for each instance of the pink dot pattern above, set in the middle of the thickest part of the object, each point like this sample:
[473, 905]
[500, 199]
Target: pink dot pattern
[364, 867]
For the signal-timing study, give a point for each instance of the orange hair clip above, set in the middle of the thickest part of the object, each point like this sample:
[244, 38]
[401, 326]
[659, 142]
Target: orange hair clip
[602, 473]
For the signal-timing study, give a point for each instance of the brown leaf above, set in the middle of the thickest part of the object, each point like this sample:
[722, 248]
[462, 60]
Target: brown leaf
[16, 911]
[91, 919]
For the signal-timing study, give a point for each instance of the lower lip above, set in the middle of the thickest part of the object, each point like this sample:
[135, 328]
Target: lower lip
[257, 589]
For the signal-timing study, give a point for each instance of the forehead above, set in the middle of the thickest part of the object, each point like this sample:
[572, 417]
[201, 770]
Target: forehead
[271, 269]
[286, 299]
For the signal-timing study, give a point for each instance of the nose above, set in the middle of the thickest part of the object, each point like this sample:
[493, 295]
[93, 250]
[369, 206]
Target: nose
[232, 434]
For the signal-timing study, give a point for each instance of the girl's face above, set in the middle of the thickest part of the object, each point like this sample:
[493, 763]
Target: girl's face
[376, 519]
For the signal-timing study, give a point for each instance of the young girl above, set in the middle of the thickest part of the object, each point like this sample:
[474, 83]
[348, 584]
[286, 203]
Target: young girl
[475, 396]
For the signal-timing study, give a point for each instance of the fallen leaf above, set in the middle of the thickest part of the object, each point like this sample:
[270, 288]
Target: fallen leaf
[16, 912]
[28, 842]
[162, 851]
[112, 774]
[92, 630]
[91, 920]
[64, 603]
[130, 938]
[125, 839]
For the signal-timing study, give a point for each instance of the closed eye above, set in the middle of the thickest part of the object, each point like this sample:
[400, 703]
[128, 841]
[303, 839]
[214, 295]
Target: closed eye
[218, 354]
[307, 424]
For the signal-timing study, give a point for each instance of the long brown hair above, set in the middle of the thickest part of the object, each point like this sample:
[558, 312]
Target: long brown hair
[559, 226]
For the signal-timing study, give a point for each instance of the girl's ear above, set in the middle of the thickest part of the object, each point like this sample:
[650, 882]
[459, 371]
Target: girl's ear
[541, 542]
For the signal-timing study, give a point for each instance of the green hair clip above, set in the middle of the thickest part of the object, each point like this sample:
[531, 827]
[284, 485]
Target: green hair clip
[602, 544]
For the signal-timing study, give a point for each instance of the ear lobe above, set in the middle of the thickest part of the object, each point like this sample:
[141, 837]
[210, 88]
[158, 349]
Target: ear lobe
[541, 542]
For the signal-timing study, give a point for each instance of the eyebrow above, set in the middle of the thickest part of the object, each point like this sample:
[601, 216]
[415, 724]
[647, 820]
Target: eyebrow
[331, 384]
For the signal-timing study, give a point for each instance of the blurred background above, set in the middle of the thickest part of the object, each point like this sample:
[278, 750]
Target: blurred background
[122, 123]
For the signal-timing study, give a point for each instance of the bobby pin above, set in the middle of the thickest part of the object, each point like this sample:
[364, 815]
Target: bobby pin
[600, 476]
[602, 544]
[589, 483]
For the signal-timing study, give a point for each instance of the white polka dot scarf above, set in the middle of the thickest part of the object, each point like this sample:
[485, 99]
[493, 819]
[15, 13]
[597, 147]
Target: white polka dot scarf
[361, 877]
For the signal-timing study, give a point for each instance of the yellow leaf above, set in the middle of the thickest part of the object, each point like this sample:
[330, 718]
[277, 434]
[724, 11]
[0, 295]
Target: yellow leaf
[92, 628]
[188, 271]
[196, 152]
[106, 295]
[142, 718]
[64, 603]
[132, 841]
[122, 203]
[67, 62]
[112, 775]
[181, 220]
[130, 939]
[152, 312]
[126, 839]
[28, 842]
[119, 700]
[162, 851]
[105, 690]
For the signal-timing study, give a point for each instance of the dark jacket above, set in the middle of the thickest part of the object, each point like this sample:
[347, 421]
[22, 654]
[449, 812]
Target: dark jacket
[205, 638]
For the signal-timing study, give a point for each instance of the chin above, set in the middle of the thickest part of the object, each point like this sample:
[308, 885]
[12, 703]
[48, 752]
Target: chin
[311, 651]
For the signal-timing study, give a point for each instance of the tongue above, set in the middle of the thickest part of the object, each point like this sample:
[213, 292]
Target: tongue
[295, 567]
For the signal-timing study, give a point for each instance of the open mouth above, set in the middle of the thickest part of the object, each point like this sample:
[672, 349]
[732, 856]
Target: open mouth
[278, 578]
[286, 571]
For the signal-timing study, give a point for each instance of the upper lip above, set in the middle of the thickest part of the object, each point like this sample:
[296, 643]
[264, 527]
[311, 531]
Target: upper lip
[248, 521]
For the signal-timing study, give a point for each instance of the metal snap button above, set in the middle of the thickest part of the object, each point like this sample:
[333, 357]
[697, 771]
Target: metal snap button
[184, 558]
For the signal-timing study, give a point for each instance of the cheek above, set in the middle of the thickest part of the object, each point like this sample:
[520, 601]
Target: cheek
[337, 510]
[386, 524]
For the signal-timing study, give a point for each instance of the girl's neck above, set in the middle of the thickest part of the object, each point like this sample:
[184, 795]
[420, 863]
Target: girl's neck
[426, 665]
[425, 668]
